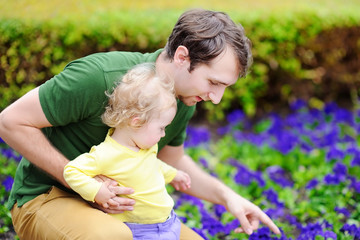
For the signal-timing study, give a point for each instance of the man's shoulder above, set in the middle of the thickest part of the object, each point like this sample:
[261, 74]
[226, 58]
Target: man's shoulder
[115, 60]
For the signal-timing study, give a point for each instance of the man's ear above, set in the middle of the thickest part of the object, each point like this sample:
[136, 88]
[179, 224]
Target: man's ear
[181, 56]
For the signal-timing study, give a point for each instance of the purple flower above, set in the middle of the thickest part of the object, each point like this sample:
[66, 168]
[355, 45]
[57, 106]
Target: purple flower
[201, 233]
[223, 130]
[231, 226]
[352, 230]
[9, 153]
[203, 162]
[312, 183]
[257, 139]
[219, 210]
[7, 183]
[310, 231]
[343, 115]
[297, 105]
[330, 139]
[277, 124]
[261, 233]
[187, 198]
[245, 176]
[340, 170]
[211, 224]
[329, 234]
[235, 117]
[293, 221]
[239, 136]
[264, 233]
[343, 211]
[306, 147]
[272, 197]
[275, 213]
[355, 161]
[334, 153]
[286, 141]
[197, 136]
[330, 108]
[354, 184]
[331, 179]
[182, 219]
[278, 175]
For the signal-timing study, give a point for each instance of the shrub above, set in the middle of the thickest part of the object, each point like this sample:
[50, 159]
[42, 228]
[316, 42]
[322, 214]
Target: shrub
[298, 53]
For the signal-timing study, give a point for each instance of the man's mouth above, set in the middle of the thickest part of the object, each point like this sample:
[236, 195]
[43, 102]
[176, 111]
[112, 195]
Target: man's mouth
[198, 99]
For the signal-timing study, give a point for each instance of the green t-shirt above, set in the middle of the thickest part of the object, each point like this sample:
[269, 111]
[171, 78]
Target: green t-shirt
[73, 102]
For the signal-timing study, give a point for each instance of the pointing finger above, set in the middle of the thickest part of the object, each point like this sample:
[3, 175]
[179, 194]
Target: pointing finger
[268, 222]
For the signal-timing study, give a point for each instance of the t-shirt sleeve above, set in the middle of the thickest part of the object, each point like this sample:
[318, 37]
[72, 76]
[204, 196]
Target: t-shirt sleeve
[175, 133]
[79, 175]
[180, 137]
[74, 94]
[168, 171]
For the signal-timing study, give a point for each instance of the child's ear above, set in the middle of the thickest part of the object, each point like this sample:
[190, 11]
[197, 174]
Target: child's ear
[135, 122]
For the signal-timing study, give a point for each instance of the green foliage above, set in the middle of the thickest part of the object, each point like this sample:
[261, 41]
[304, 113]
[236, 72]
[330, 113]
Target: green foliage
[33, 49]
[7, 170]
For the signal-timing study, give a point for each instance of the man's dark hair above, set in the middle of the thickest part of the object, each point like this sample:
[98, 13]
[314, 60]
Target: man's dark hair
[206, 34]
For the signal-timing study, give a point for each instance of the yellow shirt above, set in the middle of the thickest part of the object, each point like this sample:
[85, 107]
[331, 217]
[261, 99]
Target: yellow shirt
[142, 171]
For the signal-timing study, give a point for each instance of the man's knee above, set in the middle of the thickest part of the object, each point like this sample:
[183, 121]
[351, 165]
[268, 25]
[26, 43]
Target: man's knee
[59, 215]
[187, 233]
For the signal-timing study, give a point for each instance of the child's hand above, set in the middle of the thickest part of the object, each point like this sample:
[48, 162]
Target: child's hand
[104, 195]
[118, 203]
[181, 181]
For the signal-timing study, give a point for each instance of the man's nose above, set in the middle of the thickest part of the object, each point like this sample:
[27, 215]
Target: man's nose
[216, 95]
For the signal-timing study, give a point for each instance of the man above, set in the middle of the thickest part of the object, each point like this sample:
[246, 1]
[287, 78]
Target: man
[59, 120]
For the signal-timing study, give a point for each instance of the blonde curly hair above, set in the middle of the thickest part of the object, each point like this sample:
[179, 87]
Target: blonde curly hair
[141, 94]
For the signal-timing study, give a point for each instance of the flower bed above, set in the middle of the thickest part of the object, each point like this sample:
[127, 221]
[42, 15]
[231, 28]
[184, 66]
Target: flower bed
[302, 170]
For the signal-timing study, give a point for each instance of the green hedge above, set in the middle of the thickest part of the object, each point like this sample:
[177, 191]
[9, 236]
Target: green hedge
[297, 54]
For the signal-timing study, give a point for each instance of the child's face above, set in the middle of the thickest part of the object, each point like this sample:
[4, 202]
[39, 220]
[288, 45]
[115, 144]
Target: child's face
[151, 133]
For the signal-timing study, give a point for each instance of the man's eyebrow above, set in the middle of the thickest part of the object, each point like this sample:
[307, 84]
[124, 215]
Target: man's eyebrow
[219, 81]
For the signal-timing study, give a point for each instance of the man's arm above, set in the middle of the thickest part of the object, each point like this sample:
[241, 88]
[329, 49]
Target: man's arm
[216, 192]
[20, 128]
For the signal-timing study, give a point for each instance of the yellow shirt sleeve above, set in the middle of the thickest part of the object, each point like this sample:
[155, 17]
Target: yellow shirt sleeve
[168, 171]
[79, 175]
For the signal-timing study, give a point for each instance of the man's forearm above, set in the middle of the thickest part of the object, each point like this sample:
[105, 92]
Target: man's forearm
[34, 146]
[20, 128]
[203, 185]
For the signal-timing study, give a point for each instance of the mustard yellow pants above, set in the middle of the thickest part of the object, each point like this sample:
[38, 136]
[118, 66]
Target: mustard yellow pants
[58, 215]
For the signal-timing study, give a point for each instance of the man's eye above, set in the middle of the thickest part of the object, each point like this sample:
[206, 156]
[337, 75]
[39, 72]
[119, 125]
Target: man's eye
[214, 83]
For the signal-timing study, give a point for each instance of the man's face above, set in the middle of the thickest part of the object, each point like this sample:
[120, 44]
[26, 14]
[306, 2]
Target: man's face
[207, 82]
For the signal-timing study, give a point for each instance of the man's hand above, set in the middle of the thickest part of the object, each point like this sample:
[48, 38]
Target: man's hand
[249, 215]
[109, 201]
[209, 188]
